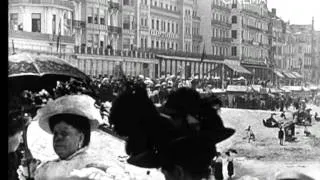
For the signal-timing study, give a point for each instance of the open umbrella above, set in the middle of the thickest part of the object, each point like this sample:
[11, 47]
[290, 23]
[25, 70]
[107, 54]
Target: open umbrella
[27, 71]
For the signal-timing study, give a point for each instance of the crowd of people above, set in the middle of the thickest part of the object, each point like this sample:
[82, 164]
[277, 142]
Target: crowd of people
[178, 136]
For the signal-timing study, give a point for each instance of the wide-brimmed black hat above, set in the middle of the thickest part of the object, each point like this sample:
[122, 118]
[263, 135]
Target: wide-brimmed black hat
[192, 130]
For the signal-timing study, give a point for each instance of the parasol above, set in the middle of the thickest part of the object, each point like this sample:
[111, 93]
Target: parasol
[27, 71]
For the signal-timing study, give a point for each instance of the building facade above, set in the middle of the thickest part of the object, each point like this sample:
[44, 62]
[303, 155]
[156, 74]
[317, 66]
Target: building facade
[129, 24]
[302, 61]
[103, 26]
[216, 27]
[35, 26]
[249, 33]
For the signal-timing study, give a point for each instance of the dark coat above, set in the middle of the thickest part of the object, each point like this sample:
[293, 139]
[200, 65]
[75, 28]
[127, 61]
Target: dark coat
[280, 134]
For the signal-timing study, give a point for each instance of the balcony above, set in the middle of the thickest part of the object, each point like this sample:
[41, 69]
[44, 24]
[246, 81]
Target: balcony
[196, 18]
[213, 22]
[220, 39]
[197, 37]
[78, 24]
[114, 5]
[63, 3]
[114, 29]
[165, 10]
[215, 6]
[128, 31]
[40, 36]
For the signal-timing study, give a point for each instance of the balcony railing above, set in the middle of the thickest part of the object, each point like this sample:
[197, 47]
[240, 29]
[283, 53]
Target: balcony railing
[196, 17]
[220, 23]
[40, 36]
[114, 5]
[78, 24]
[215, 6]
[221, 39]
[142, 53]
[197, 37]
[165, 10]
[63, 3]
[114, 29]
[128, 31]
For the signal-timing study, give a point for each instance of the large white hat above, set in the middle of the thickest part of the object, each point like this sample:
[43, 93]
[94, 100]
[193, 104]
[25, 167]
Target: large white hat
[82, 105]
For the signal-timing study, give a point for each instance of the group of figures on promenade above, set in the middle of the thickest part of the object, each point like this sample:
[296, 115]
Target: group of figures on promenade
[176, 133]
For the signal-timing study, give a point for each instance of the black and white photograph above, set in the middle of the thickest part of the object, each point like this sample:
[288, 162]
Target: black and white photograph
[163, 90]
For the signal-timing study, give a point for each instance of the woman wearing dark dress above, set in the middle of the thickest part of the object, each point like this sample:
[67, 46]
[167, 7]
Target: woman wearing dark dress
[230, 165]
[218, 173]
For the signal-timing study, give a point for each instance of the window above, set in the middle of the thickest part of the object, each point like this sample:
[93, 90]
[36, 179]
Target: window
[176, 46]
[168, 27]
[166, 6]
[177, 28]
[162, 25]
[172, 44]
[152, 23]
[146, 2]
[171, 7]
[90, 19]
[234, 51]
[161, 5]
[234, 34]
[146, 22]
[102, 21]
[126, 43]
[175, 8]
[126, 22]
[36, 22]
[54, 24]
[157, 44]
[157, 24]
[141, 22]
[146, 42]
[102, 17]
[172, 28]
[14, 21]
[95, 16]
[168, 45]
[234, 20]
[155, 3]
[152, 44]
[141, 45]
[126, 2]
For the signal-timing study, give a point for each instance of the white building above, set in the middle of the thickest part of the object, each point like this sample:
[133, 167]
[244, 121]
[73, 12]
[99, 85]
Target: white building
[35, 25]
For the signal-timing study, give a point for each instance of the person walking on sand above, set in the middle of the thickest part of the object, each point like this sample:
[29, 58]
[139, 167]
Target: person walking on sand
[250, 134]
[230, 165]
[218, 167]
[281, 136]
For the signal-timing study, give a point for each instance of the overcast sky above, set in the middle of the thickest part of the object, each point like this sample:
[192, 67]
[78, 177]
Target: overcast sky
[297, 11]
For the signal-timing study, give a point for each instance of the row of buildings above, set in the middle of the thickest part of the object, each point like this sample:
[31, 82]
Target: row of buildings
[157, 37]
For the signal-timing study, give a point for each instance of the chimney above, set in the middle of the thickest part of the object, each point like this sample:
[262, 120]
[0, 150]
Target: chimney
[274, 12]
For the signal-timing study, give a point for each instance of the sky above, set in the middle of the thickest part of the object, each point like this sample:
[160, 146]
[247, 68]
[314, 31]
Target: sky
[297, 11]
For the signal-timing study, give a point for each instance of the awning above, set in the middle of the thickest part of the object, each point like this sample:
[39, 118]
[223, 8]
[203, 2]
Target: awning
[289, 75]
[297, 74]
[237, 68]
[236, 88]
[278, 73]
[256, 88]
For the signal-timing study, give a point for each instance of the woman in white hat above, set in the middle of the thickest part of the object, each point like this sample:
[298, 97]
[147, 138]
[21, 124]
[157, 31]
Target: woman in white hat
[70, 119]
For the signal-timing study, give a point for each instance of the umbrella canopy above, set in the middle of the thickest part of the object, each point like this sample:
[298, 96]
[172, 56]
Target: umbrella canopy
[29, 71]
